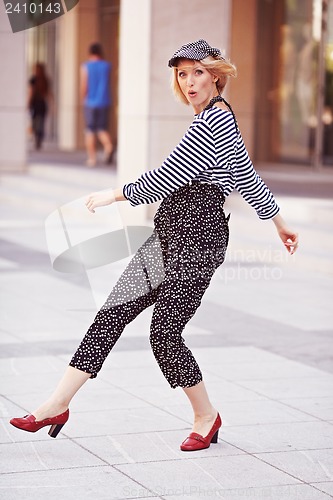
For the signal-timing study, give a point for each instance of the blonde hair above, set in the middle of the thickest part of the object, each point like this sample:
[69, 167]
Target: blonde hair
[221, 68]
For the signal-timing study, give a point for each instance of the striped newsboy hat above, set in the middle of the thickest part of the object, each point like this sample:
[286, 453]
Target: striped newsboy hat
[195, 50]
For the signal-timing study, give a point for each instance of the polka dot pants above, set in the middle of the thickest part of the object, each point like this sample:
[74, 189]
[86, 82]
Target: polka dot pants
[171, 270]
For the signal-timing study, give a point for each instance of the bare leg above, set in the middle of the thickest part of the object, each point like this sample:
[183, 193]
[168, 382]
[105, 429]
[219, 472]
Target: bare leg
[59, 401]
[106, 142]
[204, 413]
[90, 141]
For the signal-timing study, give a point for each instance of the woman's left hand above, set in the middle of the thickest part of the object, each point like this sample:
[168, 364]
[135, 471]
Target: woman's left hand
[289, 237]
[100, 199]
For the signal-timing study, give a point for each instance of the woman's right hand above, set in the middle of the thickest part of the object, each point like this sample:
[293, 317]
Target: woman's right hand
[287, 235]
[100, 199]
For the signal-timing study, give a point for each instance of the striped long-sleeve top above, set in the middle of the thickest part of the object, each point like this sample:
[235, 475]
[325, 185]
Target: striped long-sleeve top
[212, 150]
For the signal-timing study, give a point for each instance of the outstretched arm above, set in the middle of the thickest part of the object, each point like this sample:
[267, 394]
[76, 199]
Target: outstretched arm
[102, 198]
[289, 237]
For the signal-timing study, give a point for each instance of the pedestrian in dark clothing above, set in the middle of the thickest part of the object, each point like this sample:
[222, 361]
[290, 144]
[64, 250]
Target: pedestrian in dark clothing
[39, 95]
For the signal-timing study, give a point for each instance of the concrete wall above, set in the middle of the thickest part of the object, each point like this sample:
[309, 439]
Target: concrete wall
[173, 24]
[243, 53]
[13, 97]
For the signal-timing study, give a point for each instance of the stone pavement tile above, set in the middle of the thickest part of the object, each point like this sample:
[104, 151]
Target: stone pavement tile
[248, 282]
[19, 387]
[239, 354]
[326, 486]
[285, 492]
[291, 387]
[9, 434]
[105, 398]
[219, 392]
[235, 413]
[182, 411]
[6, 264]
[260, 412]
[222, 391]
[50, 325]
[26, 383]
[8, 338]
[133, 377]
[45, 455]
[8, 407]
[23, 366]
[51, 306]
[210, 474]
[264, 370]
[45, 289]
[149, 447]
[86, 483]
[61, 328]
[144, 377]
[129, 359]
[307, 465]
[280, 437]
[316, 406]
[95, 395]
[160, 396]
[115, 422]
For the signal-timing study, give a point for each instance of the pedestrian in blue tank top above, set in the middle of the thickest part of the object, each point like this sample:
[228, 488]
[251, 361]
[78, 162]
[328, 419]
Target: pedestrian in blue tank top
[95, 93]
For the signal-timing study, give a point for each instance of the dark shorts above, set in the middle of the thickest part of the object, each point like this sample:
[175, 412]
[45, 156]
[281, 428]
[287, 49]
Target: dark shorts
[96, 118]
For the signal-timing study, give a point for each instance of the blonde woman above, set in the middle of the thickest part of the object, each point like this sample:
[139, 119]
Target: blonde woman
[192, 232]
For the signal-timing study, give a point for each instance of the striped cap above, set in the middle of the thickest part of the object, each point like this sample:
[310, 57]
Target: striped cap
[195, 50]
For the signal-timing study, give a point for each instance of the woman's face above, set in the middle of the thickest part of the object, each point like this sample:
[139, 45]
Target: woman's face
[196, 83]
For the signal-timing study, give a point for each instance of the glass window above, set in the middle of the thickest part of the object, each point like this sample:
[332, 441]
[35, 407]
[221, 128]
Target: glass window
[328, 96]
[288, 88]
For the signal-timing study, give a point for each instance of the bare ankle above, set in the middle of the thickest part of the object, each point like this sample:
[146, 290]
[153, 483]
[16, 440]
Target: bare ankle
[206, 416]
[49, 409]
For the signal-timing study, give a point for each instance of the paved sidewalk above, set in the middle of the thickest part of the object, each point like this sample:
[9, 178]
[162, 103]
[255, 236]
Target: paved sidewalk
[263, 338]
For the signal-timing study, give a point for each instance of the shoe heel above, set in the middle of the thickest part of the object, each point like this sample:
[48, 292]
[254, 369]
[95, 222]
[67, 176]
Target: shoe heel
[214, 438]
[55, 429]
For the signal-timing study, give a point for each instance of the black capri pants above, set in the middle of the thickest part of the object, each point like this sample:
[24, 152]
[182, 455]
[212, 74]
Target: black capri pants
[172, 270]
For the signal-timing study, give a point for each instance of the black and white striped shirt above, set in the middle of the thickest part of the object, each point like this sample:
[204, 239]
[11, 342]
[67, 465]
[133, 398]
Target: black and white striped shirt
[213, 151]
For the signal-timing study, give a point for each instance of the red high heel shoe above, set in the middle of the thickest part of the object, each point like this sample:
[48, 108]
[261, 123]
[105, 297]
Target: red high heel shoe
[30, 424]
[196, 442]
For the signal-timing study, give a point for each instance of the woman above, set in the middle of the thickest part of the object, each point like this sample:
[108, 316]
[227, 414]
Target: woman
[39, 94]
[192, 231]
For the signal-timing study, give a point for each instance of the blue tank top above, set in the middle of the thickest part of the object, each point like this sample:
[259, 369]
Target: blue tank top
[98, 95]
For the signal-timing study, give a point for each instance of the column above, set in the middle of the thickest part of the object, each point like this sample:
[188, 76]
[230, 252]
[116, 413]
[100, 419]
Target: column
[244, 53]
[134, 98]
[68, 81]
[13, 97]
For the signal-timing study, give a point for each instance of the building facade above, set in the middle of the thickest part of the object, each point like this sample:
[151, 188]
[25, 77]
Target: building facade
[283, 96]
